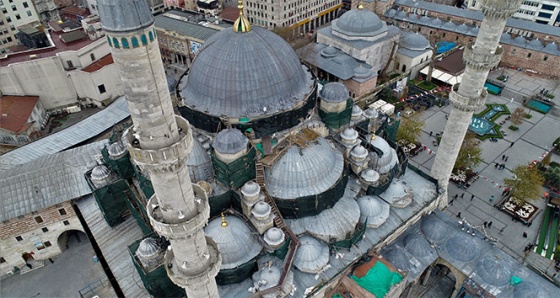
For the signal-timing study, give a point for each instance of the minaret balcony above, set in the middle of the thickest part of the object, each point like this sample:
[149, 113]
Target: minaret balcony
[500, 9]
[163, 157]
[464, 103]
[180, 275]
[480, 58]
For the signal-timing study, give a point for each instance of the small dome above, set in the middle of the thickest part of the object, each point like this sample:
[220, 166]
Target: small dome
[329, 52]
[413, 16]
[251, 188]
[374, 210]
[398, 258]
[414, 41]
[349, 134]
[401, 14]
[398, 195]
[425, 19]
[551, 46]
[361, 72]
[261, 210]
[356, 111]
[371, 113]
[462, 28]
[494, 271]
[536, 43]
[274, 236]
[266, 277]
[391, 13]
[462, 247]
[358, 22]
[505, 36]
[100, 173]
[116, 150]
[359, 152]
[417, 245]
[370, 175]
[474, 30]
[449, 26]
[230, 141]
[235, 241]
[527, 289]
[148, 248]
[436, 22]
[334, 92]
[199, 163]
[520, 40]
[435, 229]
[312, 256]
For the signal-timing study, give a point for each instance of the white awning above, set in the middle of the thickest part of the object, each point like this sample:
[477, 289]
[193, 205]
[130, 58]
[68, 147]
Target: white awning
[442, 76]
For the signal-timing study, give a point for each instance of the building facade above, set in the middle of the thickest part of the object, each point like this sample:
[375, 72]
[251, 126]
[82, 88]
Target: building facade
[13, 15]
[22, 117]
[538, 11]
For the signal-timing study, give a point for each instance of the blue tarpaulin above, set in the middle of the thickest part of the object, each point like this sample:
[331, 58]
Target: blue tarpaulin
[444, 46]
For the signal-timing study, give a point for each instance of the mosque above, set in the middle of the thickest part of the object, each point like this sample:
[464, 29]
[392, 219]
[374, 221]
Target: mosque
[265, 187]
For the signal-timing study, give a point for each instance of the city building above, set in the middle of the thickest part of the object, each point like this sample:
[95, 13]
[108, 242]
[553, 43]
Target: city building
[20, 119]
[47, 10]
[15, 14]
[538, 11]
[180, 4]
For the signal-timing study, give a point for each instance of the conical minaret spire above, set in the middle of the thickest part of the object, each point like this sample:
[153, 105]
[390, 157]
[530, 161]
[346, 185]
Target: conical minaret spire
[159, 143]
[480, 56]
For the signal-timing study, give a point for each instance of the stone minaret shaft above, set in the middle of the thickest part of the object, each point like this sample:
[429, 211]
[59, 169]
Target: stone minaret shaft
[469, 95]
[160, 142]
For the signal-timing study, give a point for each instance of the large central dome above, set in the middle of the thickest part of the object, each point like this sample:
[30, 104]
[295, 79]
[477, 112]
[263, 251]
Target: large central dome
[359, 22]
[246, 74]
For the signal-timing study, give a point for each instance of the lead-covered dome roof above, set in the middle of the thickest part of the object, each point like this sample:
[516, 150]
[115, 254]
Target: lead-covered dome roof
[334, 92]
[199, 163]
[494, 271]
[312, 256]
[414, 41]
[230, 141]
[246, 74]
[373, 210]
[305, 171]
[358, 22]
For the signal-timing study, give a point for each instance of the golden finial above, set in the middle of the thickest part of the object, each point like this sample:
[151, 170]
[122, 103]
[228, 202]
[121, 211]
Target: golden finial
[361, 5]
[241, 24]
[373, 137]
[224, 222]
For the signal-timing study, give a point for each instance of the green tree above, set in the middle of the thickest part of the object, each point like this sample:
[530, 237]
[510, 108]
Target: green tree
[525, 184]
[470, 153]
[410, 128]
[552, 176]
[517, 116]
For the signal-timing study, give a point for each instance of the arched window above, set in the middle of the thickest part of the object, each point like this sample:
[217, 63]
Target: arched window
[403, 68]
[151, 36]
[144, 39]
[134, 41]
[124, 42]
[115, 42]
[109, 41]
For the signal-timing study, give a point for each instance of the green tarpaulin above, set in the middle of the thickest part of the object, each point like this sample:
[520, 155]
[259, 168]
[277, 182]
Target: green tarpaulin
[378, 280]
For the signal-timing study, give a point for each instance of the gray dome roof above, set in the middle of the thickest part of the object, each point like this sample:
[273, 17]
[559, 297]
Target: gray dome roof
[124, 15]
[329, 52]
[235, 241]
[505, 36]
[248, 74]
[99, 173]
[401, 14]
[474, 30]
[494, 271]
[392, 12]
[462, 247]
[305, 171]
[449, 26]
[358, 22]
[552, 46]
[536, 43]
[435, 229]
[520, 40]
[274, 236]
[349, 133]
[374, 210]
[397, 194]
[361, 72]
[462, 28]
[199, 163]
[414, 41]
[266, 278]
[250, 188]
[312, 255]
[359, 152]
[370, 175]
[230, 141]
[371, 113]
[425, 19]
[356, 111]
[527, 289]
[261, 209]
[334, 92]
[116, 149]
[397, 257]
[436, 22]
[417, 245]
[147, 248]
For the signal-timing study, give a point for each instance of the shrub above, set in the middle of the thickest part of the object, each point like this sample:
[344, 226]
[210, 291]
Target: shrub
[514, 128]
[554, 164]
[528, 116]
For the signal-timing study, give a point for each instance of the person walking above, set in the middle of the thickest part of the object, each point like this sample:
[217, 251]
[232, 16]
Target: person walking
[490, 224]
[472, 197]
[506, 158]
[459, 215]
[462, 195]
[491, 199]
[511, 145]
[485, 223]
[503, 157]
[431, 132]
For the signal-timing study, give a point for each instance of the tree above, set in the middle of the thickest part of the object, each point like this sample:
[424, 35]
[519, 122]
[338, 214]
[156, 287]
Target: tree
[470, 153]
[410, 128]
[552, 176]
[525, 184]
[383, 74]
[517, 116]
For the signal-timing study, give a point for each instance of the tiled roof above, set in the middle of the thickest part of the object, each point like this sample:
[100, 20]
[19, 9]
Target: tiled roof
[99, 64]
[15, 111]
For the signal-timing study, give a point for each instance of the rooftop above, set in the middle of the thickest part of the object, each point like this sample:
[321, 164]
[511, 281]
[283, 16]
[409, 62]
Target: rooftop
[173, 21]
[15, 111]
[452, 63]
[99, 64]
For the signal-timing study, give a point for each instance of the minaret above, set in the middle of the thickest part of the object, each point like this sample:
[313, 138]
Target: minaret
[159, 143]
[466, 97]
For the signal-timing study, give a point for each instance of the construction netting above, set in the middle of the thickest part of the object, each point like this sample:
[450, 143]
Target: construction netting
[262, 127]
[112, 201]
[356, 237]
[121, 166]
[314, 204]
[336, 120]
[378, 280]
[237, 172]
[144, 183]
[237, 274]
[219, 202]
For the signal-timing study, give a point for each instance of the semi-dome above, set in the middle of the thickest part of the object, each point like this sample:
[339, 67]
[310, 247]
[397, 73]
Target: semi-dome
[494, 271]
[398, 194]
[417, 245]
[124, 15]
[334, 92]
[312, 255]
[520, 40]
[414, 41]
[305, 171]
[536, 43]
[373, 210]
[274, 236]
[527, 289]
[230, 141]
[116, 150]
[462, 247]
[199, 163]
[148, 248]
[435, 229]
[235, 241]
[397, 257]
[246, 75]
[329, 52]
[358, 22]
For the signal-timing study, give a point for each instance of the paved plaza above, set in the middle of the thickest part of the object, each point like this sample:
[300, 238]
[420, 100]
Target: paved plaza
[530, 142]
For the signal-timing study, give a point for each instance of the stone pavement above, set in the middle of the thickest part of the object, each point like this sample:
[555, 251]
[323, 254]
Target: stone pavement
[530, 142]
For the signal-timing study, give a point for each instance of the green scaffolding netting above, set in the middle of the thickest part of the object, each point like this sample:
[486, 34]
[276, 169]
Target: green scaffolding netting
[378, 280]
[112, 201]
[121, 166]
[336, 120]
[237, 172]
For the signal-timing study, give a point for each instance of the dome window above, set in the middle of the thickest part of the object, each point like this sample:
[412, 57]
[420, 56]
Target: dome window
[109, 41]
[134, 41]
[151, 36]
[144, 39]
[124, 42]
[116, 42]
